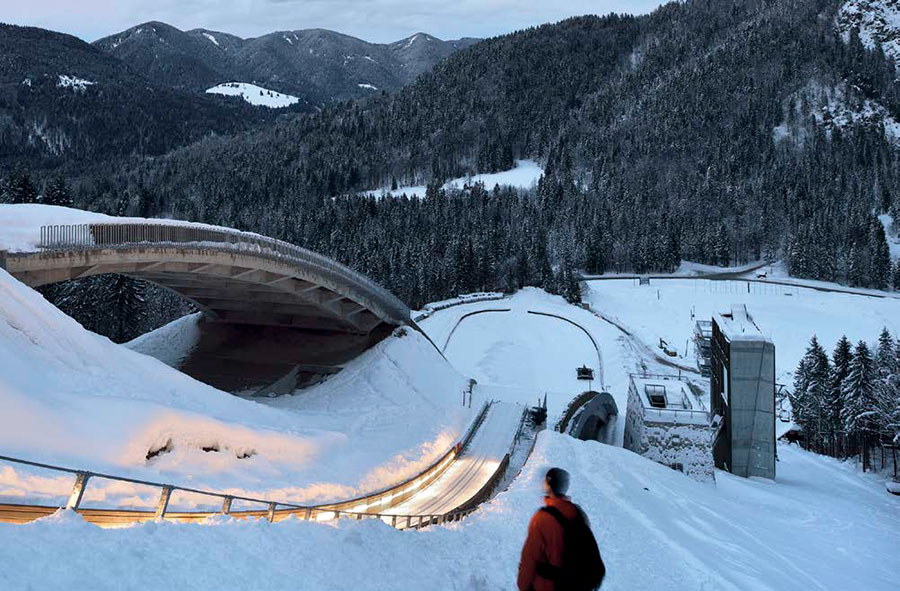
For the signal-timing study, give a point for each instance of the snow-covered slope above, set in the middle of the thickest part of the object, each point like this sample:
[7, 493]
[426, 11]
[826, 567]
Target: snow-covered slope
[73, 398]
[255, 95]
[525, 175]
[878, 21]
[668, 309]
[819, 525]
[531, 349]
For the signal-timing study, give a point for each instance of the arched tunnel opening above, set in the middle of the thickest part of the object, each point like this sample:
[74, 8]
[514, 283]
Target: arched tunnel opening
[243, 359]
[595, 418]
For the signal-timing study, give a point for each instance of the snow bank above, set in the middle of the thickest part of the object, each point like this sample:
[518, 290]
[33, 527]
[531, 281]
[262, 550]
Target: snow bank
[171, 343]
[524, 175]
[820, 525]
[73, 398]
[255, 95]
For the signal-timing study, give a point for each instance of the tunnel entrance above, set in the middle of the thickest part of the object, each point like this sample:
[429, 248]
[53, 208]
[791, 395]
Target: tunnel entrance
[594, 418]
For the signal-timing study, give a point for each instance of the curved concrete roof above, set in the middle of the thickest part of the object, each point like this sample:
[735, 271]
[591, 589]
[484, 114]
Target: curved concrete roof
[233, 276]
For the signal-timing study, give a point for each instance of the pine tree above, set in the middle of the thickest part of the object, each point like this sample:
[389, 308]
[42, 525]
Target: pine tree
[880, 256]
[884, 355]
[840, 368]
[57, 193]
[811, 391]
[897, 275]
[858, 391]
[124, 301]
[857, 272]
[19, 189]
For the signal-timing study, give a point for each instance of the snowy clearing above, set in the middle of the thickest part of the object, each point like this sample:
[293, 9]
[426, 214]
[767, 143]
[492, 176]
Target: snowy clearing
[76, 399]
[789, 315]
[368, 86]
[892, 233]
[255, 95]
[820, 525]
[75, 83]
[525, 175]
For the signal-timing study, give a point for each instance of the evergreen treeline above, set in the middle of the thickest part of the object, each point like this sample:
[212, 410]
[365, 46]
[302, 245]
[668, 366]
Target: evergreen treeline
[658, 136]
[659, 132]
[849, 403]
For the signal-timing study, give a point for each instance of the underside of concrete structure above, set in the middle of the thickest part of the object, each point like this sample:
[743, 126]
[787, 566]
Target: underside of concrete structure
[232, 276]
[272, 309]
[270, 360]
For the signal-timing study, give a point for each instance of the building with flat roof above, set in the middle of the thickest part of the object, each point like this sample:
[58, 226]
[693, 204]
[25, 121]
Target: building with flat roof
[668, 423]
[742, 395]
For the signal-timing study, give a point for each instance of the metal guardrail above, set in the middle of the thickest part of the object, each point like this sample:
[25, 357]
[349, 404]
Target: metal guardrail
[275, 510]
[83, 237]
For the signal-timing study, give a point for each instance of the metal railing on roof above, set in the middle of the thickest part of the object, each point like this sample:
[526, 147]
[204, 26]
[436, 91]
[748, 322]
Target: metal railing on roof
[81, 237]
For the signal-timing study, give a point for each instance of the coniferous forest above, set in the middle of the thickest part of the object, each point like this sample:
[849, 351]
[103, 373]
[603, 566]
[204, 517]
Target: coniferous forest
[846, 404]
[714, 132]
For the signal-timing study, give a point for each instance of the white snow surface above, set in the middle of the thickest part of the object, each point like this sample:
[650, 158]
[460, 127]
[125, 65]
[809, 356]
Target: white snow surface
[72, 398]
[524, 175]
[172, 343]
[518, 356]
[368, 86]
[787, 314]
[75, 83]
[212, 38]
[20, 224]
[878, 21]
[820, 525]
[255, 95]
[893, 235]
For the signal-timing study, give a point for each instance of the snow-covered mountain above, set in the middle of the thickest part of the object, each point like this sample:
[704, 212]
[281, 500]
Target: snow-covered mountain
[316, 65]
[878, 21]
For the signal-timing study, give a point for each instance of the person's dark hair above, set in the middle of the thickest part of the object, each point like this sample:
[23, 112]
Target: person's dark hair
[558, 480]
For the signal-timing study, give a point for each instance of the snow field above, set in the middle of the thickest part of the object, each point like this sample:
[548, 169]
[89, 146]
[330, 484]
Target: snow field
[524, 175]
[518, 356]
[789, 315]
[820, 525]
[255, 95]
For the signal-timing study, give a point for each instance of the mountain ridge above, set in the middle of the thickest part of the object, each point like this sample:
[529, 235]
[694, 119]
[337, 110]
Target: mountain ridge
[318, 65]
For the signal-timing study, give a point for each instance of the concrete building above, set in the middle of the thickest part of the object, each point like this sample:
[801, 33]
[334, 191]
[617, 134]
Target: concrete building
[742, 395]
[669, 424]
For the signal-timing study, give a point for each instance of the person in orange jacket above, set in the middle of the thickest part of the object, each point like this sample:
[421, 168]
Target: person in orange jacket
[546, 563]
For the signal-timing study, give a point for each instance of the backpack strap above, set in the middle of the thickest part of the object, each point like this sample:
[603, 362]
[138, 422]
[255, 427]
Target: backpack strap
[545, 569]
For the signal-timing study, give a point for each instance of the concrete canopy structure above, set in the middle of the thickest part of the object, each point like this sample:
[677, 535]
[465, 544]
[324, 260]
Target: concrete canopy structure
[234, 277]
[742, 395]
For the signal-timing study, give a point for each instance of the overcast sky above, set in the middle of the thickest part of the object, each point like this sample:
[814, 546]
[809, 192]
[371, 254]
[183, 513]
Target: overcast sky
[372, 20]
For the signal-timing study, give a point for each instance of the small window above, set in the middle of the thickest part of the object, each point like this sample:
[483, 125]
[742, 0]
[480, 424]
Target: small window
[677, 466]
[656, 395]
